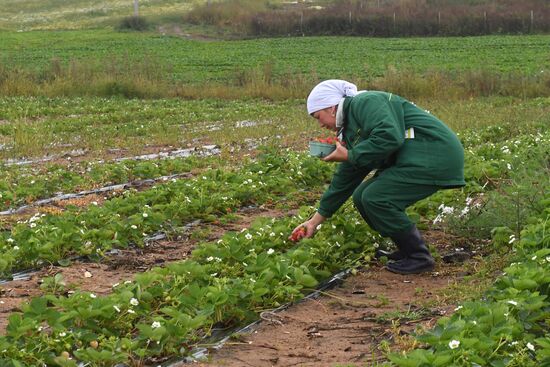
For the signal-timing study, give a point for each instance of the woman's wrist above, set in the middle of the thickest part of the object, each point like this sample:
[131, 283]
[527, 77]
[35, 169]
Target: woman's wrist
[317, 219]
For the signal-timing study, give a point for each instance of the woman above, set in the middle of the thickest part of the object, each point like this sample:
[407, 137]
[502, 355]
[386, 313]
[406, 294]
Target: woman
[414, 153]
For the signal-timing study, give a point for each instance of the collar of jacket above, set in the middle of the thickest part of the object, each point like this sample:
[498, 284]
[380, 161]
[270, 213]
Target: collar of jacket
[343, 106]
[341, 114]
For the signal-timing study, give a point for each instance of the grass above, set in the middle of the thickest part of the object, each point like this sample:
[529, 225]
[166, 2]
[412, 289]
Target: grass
[75, 14]
[483, 269]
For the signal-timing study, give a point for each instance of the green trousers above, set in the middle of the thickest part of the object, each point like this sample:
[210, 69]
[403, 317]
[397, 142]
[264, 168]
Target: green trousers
[382, 202]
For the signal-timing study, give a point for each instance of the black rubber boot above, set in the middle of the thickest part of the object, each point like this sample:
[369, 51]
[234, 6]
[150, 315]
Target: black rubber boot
[391, 255]
[417, 256]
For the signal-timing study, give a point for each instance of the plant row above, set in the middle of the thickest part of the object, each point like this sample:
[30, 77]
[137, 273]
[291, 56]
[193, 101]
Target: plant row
[510, 325]
[495, 158]
[129, 218]
[24, 185]
[165, 311]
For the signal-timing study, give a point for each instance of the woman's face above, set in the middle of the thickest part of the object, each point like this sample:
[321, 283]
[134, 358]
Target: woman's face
[326, 118]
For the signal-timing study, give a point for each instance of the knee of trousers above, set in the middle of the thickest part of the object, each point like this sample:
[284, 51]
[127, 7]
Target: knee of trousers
[358, 200]
[372, 204]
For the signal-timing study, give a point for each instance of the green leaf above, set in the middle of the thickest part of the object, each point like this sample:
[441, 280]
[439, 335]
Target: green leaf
[442, 359]
[307, 281]
[64, 262]
[524, 283]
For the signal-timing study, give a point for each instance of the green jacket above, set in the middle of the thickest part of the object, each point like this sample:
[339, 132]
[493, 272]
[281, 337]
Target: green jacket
[374, 129]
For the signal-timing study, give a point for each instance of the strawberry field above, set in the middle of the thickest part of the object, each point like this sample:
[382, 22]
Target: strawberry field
[142, 232]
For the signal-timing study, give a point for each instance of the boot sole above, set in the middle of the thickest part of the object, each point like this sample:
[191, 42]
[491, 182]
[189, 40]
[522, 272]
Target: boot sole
[378, 255]
[416, 271]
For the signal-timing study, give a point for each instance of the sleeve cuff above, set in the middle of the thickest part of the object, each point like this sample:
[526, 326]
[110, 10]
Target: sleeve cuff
[352, 159]
[324, 213]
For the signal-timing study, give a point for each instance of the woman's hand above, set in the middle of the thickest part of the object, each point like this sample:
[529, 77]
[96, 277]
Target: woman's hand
[306, 229]
[340, 154]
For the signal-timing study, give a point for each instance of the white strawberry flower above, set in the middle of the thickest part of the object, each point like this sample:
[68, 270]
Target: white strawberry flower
[134, 302]
[270, 251]
[453, 344]
[531, 347]
[155, 325]
[248, 236]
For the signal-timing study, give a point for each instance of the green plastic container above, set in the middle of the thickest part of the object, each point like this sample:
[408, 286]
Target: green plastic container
[320, 150]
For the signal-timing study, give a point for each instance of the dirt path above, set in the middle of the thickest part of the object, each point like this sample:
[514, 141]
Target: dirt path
[348, 325]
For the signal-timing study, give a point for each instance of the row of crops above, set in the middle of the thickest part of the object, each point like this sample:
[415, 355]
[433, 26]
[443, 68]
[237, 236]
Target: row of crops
[98, 125]
[164, 312]
[132, 215]
[509, 326]
[23, 185]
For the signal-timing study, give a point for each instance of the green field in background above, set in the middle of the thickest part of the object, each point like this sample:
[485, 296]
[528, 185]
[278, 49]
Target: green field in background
[193, 61]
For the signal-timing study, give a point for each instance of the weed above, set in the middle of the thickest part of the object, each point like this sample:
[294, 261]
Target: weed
[133, 23]
[55, 285]
[382, 301]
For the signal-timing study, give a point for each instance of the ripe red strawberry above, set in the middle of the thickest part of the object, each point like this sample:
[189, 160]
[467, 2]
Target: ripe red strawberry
[328, 140]
[298, 234]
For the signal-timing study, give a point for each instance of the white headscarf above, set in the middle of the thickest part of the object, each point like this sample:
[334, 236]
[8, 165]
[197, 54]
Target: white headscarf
[329, 93]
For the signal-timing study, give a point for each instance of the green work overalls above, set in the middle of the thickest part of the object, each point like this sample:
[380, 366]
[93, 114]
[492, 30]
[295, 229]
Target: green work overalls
[415, 155]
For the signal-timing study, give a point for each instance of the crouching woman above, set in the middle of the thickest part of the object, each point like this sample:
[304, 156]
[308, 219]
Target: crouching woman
[414, 155]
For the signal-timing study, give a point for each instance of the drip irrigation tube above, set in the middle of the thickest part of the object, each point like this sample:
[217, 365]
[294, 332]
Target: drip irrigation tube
[205, 150]
[104, 189]
[220, 337]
